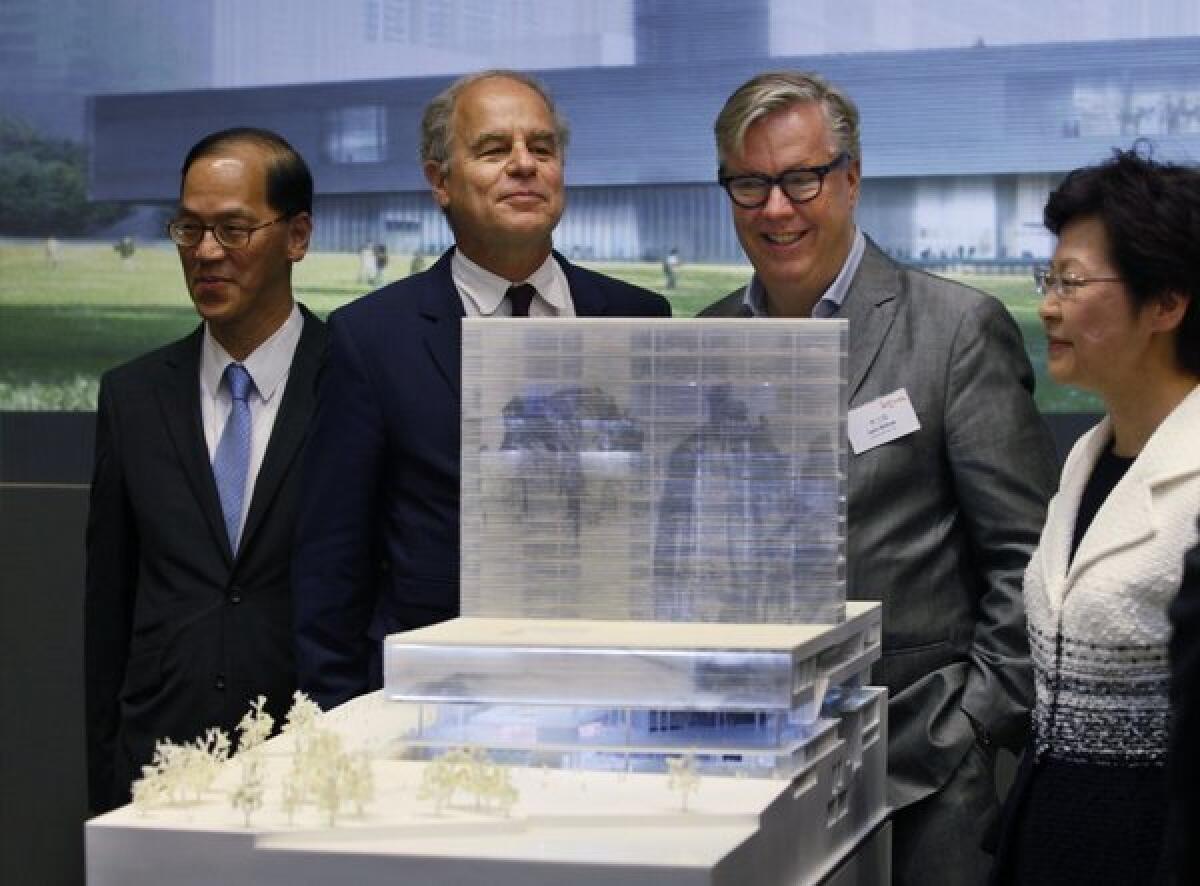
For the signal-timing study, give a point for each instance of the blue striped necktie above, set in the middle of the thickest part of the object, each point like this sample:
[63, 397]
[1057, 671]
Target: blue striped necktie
[231, 462]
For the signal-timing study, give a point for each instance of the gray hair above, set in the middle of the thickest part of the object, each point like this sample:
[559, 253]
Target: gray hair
[437, 131]
[776, 90]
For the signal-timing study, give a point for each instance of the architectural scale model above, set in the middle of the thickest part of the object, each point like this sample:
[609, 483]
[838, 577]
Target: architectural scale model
[653, 538]
[656, 677]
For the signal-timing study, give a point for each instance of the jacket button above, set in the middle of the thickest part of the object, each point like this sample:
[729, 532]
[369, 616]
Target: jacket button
[220, 684]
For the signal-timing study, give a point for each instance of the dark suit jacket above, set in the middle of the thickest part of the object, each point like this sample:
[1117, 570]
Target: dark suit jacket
[179, 634]
[378, 542]
[942, 522]
[1184, 760]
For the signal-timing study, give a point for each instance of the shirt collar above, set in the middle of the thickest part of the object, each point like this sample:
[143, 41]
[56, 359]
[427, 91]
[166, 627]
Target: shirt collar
[831, 302]
[486, 291]
[268, 364]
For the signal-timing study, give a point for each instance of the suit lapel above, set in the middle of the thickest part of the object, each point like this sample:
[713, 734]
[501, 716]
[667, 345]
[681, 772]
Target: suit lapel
[291, 425]
[178, 392]
[870, 307]
[441, 309]
[588, 300]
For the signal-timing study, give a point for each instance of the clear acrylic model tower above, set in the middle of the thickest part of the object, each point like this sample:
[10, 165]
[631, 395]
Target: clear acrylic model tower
[653, 550]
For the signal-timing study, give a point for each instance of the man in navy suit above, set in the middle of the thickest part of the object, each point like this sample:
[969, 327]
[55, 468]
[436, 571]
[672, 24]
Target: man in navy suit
[195, 489]
[377, 549]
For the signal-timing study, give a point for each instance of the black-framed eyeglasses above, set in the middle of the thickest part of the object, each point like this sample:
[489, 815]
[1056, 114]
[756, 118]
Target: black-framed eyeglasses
[231, 235]
[1062, 287]
[800, 184]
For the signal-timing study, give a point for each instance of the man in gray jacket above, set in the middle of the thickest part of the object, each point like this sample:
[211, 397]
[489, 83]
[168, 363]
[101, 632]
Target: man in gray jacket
[950, 466]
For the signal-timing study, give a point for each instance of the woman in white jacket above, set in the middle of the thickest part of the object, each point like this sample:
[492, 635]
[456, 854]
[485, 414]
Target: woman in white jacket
[1121, 319]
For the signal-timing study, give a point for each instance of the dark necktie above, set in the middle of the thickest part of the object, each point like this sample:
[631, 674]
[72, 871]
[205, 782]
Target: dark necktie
[231, 461]
[521, 297]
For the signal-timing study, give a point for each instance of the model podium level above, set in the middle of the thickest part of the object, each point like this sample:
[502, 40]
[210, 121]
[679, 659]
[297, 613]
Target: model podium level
[653, 554]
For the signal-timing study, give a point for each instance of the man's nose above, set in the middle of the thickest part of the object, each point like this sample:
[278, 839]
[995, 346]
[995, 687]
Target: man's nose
[209, 246]
[520, 160]
[777, 203]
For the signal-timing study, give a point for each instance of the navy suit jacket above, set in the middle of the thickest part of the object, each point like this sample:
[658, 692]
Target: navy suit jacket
[377, 548]
[181, 634]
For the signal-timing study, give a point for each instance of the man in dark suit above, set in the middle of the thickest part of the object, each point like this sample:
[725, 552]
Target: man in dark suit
[1184, 759]
[378, 543]
[950, 470]
[189, 539]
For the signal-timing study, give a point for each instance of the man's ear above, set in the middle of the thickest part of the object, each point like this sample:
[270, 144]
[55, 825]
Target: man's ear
[854, 176]
[300, 227]
[436, 176]
[1169, 310]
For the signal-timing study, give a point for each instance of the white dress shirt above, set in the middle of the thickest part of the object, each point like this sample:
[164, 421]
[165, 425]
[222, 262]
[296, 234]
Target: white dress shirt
[483, 293]
[268, 365]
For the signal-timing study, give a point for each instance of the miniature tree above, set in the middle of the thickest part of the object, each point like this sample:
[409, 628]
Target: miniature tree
[683, 778]
[360, 781]
[248, 795]
[201, 760]
[253, 729]
[292, 795]
[438, 783]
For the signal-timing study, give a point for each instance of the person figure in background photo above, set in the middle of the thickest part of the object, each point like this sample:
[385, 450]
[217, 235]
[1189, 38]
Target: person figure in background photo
[943, 512]
[125, 248]
[378, 544]
[366, 264]
[417, 265]
[670, 267]
[52, 252]
[381, 259]
[187, 613]
[1119, 306]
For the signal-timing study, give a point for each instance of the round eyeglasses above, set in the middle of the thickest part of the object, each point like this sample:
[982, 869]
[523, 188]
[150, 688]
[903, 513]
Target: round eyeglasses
[801, 184]
[1061, 287]
[231, 235]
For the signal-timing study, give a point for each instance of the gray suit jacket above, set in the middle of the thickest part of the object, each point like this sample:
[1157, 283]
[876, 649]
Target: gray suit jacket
[942, 522]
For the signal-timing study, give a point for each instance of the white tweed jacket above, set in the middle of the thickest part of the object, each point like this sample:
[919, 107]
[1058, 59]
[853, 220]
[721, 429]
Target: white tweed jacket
[1098, 628]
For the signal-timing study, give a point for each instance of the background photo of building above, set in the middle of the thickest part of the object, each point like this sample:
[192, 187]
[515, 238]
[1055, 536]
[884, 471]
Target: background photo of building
[971, 110]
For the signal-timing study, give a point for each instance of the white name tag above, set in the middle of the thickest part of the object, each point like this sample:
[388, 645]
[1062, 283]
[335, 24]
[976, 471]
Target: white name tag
[881, 421]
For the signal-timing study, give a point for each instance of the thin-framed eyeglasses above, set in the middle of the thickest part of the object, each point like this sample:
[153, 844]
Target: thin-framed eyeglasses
[800, 184]
[1062, 287]
[231, 235]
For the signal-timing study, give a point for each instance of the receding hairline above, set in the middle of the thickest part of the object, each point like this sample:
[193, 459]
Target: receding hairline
[467, 87]
[267, 151]
[439, 118]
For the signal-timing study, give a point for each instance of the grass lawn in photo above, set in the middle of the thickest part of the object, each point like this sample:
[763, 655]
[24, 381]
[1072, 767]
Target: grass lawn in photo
[61, 326]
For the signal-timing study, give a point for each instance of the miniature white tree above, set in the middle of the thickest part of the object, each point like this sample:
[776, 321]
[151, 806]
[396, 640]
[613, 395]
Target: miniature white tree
[360, 781]
[683, 778]
[438, 783]
[292, 796]
[253, 729]
[255, 726]
[493, 785]
[248, 795]
[201, 760]
[301, 721]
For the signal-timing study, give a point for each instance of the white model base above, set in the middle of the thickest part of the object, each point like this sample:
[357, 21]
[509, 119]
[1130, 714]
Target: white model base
[567, 827]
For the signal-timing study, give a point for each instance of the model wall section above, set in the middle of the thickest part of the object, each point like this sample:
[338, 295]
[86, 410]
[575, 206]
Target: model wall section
[654, 470]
